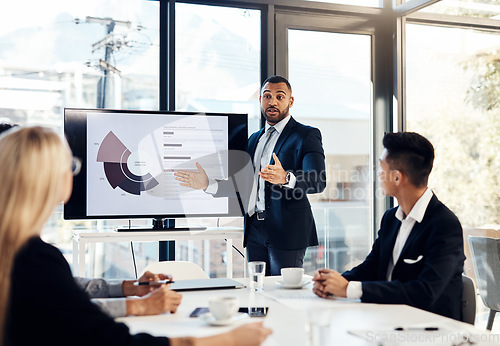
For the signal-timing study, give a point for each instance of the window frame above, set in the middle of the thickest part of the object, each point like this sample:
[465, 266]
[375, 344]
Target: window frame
[388, 25]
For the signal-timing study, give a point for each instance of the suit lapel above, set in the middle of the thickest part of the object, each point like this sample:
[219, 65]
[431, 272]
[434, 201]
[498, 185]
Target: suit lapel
[283, 136]
[387, 247]
[415, 231]
[411, 238]
[252, 143]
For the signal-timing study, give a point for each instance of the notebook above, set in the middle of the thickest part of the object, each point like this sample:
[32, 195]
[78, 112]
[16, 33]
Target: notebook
[205, 284]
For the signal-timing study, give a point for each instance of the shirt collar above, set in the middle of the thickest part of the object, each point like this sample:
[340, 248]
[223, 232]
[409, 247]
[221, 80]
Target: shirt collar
[280, 125]
[418, 211]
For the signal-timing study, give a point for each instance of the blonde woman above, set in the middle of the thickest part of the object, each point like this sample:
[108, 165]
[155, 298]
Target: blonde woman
[36, 175]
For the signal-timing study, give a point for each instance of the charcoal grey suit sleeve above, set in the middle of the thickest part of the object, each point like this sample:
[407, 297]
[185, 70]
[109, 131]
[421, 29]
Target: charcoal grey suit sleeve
[106, 294]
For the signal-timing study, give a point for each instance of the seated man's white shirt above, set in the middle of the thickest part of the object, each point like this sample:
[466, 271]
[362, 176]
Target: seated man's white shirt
[354, 288]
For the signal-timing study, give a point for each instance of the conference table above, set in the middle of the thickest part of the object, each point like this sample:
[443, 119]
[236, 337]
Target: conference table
[298, 317]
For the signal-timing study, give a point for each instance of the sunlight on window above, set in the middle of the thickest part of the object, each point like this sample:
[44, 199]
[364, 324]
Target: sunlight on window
[331, 78]
[455, 72]
[57, 56]
[470, 8]
[218, 60]
[370, 3]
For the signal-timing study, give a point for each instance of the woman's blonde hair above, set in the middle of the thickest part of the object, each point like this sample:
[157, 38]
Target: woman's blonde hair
[33, 161]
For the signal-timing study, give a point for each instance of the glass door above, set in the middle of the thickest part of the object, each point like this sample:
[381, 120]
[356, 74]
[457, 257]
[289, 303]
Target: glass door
[329, 65]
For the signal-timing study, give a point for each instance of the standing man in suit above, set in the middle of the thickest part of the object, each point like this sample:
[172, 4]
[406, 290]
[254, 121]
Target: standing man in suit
[289, 159]
[418, 256]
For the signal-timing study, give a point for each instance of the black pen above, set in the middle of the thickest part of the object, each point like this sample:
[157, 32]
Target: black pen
[427, 329]
[153, 283]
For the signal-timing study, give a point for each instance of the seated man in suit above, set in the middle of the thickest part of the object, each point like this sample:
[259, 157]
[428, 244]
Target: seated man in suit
[418, 256]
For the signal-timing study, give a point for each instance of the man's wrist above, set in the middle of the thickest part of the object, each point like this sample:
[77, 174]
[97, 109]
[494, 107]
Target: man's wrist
[291, 180]
[128, 288]
[354, 290]
[212, 186]
[286, 179]
[134, 307]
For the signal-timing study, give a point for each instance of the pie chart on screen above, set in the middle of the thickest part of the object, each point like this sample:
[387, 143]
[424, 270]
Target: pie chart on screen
[126, 169]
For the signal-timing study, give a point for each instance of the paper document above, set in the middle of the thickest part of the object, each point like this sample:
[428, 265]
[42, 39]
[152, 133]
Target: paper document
[424, 335]
[304, 298]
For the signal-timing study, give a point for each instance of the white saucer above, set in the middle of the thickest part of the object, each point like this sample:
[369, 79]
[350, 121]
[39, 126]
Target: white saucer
[301, 284]
[210, 319]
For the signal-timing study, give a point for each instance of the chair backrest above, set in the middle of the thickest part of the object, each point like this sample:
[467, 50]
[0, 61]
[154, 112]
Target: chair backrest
[475, 232]
[468, 300]
[486, 260]
[180, 270]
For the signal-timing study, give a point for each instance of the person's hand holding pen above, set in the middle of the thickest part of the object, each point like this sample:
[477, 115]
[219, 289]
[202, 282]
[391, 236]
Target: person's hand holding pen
[329, 282]
[156, 297]
[130, 288]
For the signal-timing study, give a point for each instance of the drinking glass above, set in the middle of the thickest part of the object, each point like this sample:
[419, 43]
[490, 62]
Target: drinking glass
[257, 270]
[318, 326]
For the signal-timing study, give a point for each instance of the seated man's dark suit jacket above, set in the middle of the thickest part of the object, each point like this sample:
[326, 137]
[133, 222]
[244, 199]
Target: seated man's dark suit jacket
[289, 219]
[435, 282]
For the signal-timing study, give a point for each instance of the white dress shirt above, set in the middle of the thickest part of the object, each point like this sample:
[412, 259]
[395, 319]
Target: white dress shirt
[264, 160]
[354, 288]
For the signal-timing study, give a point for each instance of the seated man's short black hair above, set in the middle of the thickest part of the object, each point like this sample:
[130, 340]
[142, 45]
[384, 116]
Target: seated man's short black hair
[410, 153]
[277, 79]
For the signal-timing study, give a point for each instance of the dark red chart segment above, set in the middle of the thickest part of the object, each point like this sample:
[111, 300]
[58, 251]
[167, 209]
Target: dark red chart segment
[114, 154]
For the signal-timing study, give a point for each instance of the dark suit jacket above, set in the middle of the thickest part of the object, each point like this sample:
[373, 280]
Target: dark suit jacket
[47, 307]
[435, 282]
[289, 219]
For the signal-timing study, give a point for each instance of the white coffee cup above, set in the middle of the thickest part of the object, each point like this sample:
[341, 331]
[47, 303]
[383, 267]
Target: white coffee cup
[292, 276]
[223, 307]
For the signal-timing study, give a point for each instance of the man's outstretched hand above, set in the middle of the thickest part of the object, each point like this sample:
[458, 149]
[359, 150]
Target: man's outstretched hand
[197, 180]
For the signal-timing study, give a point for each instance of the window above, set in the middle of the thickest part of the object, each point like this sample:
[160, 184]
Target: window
[370, 3]
[218, 60]
[217, 70]
[56, 56]
[452, 99]
[469, 8]
[331, 78]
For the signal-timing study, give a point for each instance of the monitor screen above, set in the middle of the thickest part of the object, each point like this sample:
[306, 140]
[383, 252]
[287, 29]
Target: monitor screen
[129, 158]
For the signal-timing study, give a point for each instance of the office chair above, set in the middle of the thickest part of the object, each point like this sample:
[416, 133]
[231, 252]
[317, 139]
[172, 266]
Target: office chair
[486, 261]
[468, 300]
[180, 270]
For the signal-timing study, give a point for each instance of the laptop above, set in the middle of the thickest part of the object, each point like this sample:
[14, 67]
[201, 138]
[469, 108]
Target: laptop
[205, 284]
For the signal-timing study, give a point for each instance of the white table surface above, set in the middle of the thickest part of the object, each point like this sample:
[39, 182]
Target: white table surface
[289, 311]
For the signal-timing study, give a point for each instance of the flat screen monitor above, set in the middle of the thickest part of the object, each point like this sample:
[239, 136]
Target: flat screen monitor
[129, 158]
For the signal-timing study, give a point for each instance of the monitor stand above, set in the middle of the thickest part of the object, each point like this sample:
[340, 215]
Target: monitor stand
[162, 225]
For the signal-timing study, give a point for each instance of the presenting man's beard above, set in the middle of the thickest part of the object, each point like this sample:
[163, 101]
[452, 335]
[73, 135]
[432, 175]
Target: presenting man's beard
[276, 118]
